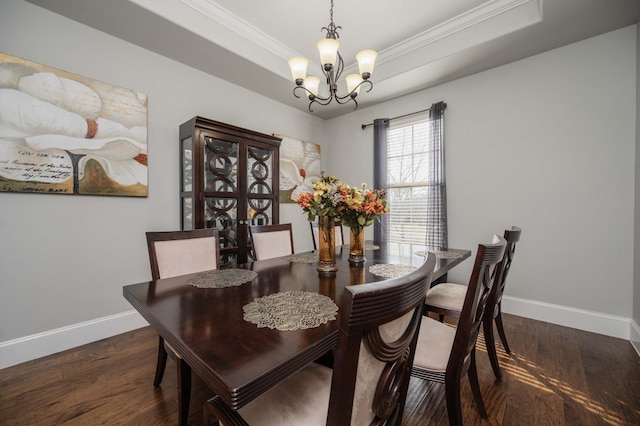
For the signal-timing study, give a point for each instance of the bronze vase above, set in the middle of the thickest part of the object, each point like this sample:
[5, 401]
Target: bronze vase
[326, 245]
[356, 245]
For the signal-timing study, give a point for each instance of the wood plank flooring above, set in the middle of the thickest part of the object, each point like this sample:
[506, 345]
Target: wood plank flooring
[555, 376]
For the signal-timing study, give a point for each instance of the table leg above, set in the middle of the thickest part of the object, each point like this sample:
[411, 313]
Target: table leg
[184, 391]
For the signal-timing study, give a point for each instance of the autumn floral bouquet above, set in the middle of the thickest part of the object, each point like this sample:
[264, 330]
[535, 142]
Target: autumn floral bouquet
[362, 206]
[328, 198]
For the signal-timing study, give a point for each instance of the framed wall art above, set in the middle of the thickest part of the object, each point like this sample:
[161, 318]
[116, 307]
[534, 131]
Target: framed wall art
[61, 133]
[299, 166]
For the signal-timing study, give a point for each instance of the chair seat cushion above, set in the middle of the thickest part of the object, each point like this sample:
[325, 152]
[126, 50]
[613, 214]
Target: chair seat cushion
[302, 399]
[434, 345]
[448, 296]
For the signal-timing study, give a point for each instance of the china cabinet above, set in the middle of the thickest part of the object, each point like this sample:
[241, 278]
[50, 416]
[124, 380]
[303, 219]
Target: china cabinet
[228, 180]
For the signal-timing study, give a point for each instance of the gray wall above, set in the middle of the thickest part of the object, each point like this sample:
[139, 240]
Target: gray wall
[568, 115]
[546, 143]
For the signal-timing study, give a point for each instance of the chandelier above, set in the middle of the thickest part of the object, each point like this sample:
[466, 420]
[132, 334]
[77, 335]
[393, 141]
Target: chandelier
[332, 66]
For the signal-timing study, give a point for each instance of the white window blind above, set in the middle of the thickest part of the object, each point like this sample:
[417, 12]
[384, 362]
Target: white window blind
[407, 181]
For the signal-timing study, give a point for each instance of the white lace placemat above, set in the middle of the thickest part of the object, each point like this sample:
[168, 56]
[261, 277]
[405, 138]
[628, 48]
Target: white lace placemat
[301, 257]
[290, 310]
[441, 254]
[221, 278]
[391, 270]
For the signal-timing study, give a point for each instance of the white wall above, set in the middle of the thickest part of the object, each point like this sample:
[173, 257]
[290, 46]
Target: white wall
[64, 259]
[546, 143]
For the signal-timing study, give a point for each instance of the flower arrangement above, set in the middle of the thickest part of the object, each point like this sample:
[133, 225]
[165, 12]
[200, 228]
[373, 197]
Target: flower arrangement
[354, 207]
[327, 199]
[363, 206]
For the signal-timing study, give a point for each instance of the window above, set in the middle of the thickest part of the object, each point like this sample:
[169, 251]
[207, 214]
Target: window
[410, 165]
[407, 182]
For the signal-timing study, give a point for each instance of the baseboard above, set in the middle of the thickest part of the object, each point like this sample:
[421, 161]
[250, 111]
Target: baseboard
[595, 322]
[26, 348]
[635, 336]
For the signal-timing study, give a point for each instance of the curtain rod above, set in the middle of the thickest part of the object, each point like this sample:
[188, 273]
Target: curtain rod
[364, 126]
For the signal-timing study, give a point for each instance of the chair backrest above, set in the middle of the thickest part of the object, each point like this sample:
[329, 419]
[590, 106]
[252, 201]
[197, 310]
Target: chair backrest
[379, 325]
[486, 269]
[512, 236]
[269, 241]
[173, 253]
[338, 236]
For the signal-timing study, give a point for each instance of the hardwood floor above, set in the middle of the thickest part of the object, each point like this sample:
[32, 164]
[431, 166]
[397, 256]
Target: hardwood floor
[555, 376]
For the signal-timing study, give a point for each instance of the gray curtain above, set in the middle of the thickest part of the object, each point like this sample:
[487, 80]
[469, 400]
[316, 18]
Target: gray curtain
[437, 238]
[380, 128]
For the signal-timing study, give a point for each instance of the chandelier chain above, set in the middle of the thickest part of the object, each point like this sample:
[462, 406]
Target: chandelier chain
[331, 29]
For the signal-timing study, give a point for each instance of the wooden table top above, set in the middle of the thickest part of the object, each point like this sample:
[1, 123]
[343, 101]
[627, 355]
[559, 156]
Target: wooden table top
[235, 358]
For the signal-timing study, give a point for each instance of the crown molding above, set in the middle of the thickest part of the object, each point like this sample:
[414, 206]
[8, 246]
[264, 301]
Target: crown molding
[474, 18]
[242, 28]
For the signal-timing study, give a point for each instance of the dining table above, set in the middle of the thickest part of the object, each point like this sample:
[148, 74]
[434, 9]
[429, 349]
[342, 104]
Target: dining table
[221, 325]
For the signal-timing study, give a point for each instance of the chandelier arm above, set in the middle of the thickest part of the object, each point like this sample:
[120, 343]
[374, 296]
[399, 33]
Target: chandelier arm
[355, 102]
[311, 95]
[296, 88]
[323, 101]
[320, 100]
[353, 92]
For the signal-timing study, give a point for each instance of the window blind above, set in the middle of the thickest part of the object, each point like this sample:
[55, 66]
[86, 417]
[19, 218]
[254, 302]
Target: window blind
[408, 160]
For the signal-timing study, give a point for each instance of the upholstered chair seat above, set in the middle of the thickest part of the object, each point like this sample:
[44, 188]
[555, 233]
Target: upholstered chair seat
[447, 296]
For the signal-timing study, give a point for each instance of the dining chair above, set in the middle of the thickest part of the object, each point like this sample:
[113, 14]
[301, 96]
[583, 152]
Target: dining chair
[378, 327]
[446, 299]
[269, 241]
[445, 353]
[338, 236]
[174, 253]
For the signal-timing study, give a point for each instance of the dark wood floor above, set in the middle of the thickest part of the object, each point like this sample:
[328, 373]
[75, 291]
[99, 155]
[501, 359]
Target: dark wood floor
[555, 376]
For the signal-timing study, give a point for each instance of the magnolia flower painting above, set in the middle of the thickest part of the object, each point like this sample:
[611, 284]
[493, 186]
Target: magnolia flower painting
[62, 133]
[299, 167]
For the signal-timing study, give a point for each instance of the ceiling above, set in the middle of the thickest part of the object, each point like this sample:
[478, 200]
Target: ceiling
[421, 43]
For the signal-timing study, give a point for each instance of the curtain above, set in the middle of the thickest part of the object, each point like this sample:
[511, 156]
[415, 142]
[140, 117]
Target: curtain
[380, 128]
[437, 233]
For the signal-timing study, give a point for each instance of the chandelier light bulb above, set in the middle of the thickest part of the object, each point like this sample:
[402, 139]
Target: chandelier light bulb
[312, 84]
[366, 60]
[298, 66]
[353, 81]
[328, 48]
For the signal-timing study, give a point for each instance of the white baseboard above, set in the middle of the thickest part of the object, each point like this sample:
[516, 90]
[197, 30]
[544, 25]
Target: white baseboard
[26, 348]
[635, 336]
[595, 322]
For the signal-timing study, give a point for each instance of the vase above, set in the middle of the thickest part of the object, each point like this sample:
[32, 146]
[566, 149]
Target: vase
[356, 245]
[326, 245]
